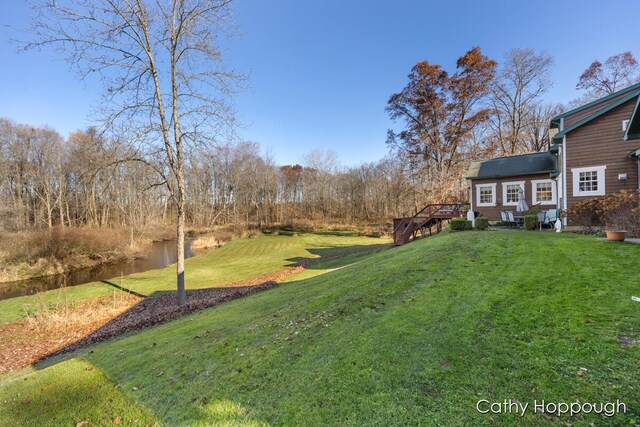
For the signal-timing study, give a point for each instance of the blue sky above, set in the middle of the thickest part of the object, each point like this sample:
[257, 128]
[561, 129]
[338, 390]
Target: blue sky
[322, 71]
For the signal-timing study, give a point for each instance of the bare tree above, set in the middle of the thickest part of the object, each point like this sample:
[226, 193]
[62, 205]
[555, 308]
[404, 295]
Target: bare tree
[320, 170]
[617, 72]
[536, 131]
[516, 97]
[165, 82]
[47, 183]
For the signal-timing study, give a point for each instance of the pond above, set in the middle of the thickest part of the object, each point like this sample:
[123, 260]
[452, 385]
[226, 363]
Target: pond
[161, 254]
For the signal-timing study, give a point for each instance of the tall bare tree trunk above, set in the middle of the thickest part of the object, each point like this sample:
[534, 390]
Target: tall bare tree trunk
[182, 297]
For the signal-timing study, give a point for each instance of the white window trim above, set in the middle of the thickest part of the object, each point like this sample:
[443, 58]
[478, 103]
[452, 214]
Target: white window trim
[493, 191]
[576, 181]
[504, 192]
[534, 192]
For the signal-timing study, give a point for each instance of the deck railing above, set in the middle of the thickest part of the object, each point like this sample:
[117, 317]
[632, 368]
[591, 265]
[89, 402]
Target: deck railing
[406, 228]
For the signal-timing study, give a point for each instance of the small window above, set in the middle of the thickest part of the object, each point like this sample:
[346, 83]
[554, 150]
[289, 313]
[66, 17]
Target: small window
[511, 192]
[544, 192]
[589, 181]
[486, 194]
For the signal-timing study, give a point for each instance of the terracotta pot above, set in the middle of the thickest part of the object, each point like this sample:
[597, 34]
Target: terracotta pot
[616, 236]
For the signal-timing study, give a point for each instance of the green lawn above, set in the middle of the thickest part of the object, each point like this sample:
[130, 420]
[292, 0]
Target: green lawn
[238, 260]
[414, 335]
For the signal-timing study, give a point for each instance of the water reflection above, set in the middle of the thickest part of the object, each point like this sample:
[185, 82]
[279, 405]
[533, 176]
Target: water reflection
[160, 255]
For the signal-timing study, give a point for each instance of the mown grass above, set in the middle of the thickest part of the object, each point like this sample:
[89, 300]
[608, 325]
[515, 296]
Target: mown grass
[409, 336]
[94, 399]
[238, 260]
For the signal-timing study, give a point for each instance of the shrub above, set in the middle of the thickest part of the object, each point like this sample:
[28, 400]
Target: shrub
[461, 224]
[621, 211]
[482, 223]
[530, 222]
[587, 214]
[618, 211]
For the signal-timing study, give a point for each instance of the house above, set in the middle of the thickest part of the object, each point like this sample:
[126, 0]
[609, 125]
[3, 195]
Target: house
[495, 184]
[594, 151]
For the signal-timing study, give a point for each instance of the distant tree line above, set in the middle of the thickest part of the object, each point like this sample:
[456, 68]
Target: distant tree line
[87, 180]
[483, 109]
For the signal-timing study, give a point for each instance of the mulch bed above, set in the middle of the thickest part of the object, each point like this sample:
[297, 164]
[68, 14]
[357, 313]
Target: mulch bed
[163, 308]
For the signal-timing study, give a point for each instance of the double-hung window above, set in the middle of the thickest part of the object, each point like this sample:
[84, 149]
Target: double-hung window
[511, 192]
[486, 194]
[543, 191]
[589, 181]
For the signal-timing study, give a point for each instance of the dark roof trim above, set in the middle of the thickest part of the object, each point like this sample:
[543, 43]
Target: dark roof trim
[633, 124]
[597, 114]
[635, 153]
[596, 102]
[550, 171]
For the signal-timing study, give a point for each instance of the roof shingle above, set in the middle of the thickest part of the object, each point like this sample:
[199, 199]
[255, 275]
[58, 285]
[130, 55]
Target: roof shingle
[526, 164]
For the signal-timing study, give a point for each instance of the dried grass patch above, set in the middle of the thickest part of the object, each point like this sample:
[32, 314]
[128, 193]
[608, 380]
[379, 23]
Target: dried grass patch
[51, 329]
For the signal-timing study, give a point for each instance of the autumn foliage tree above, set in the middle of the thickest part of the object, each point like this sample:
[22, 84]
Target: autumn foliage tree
[617, 72]
[440, 111]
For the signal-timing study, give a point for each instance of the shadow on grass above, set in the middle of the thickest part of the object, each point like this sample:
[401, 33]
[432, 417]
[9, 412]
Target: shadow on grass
[121, 288]
[159, 308]
[328, 254]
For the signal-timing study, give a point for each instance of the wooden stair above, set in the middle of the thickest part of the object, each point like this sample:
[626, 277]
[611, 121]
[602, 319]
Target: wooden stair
[406, 229]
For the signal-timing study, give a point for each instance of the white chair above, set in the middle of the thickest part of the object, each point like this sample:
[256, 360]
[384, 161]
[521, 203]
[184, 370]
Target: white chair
[542, 217]
[552, 216]
[503, 217]
[511, 218]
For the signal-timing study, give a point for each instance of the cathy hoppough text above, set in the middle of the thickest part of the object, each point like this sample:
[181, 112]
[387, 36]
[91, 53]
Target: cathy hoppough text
[512, 406]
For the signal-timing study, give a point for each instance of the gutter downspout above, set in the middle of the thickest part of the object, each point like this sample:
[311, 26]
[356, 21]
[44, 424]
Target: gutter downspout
[564, 172]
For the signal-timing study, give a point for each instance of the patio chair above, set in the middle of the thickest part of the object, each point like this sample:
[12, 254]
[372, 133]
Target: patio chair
[511, 218]
[550, 217]
[542, 217]
[504, 218]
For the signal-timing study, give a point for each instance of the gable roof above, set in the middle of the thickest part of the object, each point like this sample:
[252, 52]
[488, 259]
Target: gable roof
[633, 128]
[599, 112]
[502, 167]
[556, 120]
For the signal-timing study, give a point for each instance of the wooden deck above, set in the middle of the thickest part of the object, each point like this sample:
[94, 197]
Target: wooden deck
[428, 218]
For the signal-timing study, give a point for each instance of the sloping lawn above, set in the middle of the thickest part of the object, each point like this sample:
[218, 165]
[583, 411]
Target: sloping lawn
[414, 335]
[70, 393]
[238, 260]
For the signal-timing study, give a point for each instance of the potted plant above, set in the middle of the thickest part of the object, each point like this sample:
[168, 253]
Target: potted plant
[616, 235]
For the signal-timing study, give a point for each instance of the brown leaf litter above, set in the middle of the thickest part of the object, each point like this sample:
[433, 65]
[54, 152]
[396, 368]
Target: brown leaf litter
[39, 337]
